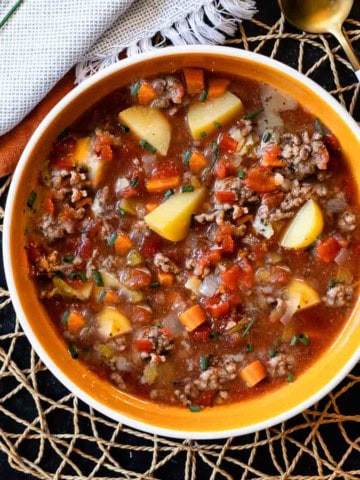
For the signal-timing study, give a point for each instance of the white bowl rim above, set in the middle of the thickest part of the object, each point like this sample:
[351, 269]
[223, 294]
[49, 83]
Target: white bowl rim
[54, 369]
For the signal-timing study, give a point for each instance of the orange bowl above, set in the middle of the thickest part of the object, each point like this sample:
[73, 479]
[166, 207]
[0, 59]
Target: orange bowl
[220, 421]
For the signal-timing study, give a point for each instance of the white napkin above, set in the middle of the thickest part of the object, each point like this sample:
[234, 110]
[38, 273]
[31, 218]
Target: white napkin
[43, 39]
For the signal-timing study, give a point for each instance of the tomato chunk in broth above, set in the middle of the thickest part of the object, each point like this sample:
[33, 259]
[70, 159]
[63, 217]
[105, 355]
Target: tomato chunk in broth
[194, 237]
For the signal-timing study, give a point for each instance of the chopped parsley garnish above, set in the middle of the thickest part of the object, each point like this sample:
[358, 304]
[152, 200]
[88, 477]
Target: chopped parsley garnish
[73, 275]
[73, 351]
[168, 193]
[319, 127]
[194, 408]
[64, 133]
[290, 378]
[215, 152]
[31, 199]
[135, 89]
[65, 317]
[155, 284]
[272, 353]
[147, 145]
[332, 283]
[82, 276]
[218, 125]
[249, 348]
[253, 114]
[122, 212]
[293, 340]
[134, 182]
[123, 127]
[203, 134]
[187, 188]
[214, 335]
[101, 296]
[203, 95]
[248, 327]
[112, 239]
[266, 137]
[68, 258]
[204, 362]
[98, 278]
[304, 339]
[59, 274]
[187, 156]
[241, 174]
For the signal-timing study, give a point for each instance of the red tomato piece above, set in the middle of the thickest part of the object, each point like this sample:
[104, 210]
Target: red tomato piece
[270, 156]
[223, 168]
[216, 307]
[165, 169]
[106, 153]
[201, 334]
[227, 244]
[230, 277]
[227, 143]
[150, 245]
[143, 345]
[85, 248]
[328, 249]
[207, 258]
[128, 192]
[225, 197]
[260, 180]
[247, 276]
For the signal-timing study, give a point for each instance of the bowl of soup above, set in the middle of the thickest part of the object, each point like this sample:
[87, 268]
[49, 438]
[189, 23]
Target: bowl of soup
[181, 242]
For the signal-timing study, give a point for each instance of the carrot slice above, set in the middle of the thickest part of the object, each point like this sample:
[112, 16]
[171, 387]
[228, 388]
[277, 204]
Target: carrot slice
[75, 322]
[161, 184]
[111, 298]
[194, 79]
[193, 317]
[146, 94]
[166, 279]
[253, 373]
[271, 154]
[197, 162]
[217, 87]
[122, 244]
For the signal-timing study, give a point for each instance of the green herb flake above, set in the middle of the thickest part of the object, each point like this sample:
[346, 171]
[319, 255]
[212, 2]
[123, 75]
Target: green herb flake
[319, 127]
[192, 220]
[332, 283]
[203, 95]
[186, 157]
[217, 125]
[293, 341]
[31, 199]
[169, 193]
[155, 285]
[98, 278]
[123, 128]
[204, 362]
[272, 353]
[73, 351]
[65, 133]
[68, 258]
[214, 335]
[60, 274]
[241, 174]
[135, 89]
[122, 212]
[251, 115]
[147, 146]
[195, 408]
[187, 188]
[73, 275]
[134, 182]
[101, 296]
[290, 378]
[203, 134]
[65, 317]
[248, 327]
[215, 152]
[249, 348]
[112, 239]
[304, 339]
[82, 276]
[266, 137]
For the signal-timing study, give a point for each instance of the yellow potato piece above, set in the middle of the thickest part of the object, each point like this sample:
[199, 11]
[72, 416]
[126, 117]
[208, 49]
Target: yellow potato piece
[307, 296]
[305, 227]
[148, 124]
[172, 218]
[84, 156]
[112, 323]
[202, 117]
[66, 291]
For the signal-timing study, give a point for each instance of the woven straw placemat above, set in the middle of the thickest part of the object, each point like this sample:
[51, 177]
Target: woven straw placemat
[46, 433]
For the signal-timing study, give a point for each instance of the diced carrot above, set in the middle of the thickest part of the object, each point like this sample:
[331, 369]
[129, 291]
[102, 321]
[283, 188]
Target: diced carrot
[194, 79]
[253, 373]
[48, 204]
[166, 279]
[217, 87]
[270, 156]
[223, 168]
[227, 244]
[197, 162]
[260, 180]
[328, 249]
[143, 345]
[146, 94]
[193, 317]
[227, 143]
[123, 244]
[225, 196]
[150, 206]
[75, 322]
[161, 184]
[111, 298]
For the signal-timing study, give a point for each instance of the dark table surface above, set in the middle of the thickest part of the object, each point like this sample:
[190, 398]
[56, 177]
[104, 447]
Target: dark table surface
[22, 405]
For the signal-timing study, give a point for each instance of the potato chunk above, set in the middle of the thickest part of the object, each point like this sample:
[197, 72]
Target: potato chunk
[306, 295]
[305, 227]
[172, 218]
[111, 322]
[84, 156]
[148, 124]
[203, 117]
[66, 291]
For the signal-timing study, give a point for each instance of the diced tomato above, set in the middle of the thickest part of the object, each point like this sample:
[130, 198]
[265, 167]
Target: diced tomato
[106, 153]
[247, 276]
[227, 143]
[322, 158]
[143, 345]
[225, 196]
[260, 180]
[48, 204]
[101, 140]
[227, 244]
[217, 307]
[94, 230]
[272, 200]
[63, 163]
[128, 192]
[223, 230]
[235, 298]
[259, 250]
[201, 334]
[332, 142]
[230, 277]
[150, 245]
[76, 284]
[33, 251]
[207, 258]
[328, 249]
[141, 314]
[85, 248]
[223, 168]
[206, 398]
[165, 169]
[280, 276]
[270, 156]
[135, 278]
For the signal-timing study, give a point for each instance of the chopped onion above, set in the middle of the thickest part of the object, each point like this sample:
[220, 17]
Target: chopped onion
[173, 326]
[148, 163]
[342, 256]
[209, 286]
[336, 205]
[291, 308]
[263, 228]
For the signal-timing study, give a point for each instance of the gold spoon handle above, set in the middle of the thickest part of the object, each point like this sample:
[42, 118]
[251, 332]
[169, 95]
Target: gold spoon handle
[348, 49]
